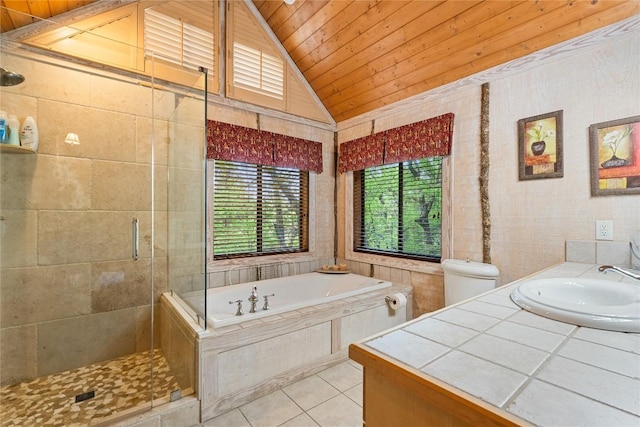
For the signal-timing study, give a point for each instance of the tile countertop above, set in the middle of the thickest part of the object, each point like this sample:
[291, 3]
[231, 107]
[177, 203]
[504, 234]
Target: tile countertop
[543, 371]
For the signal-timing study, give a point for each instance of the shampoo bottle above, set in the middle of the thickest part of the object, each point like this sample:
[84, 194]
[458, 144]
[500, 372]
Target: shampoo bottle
[3, 127]
[14, 130]
[29, 134]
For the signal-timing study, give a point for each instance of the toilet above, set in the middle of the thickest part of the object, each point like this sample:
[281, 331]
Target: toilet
[466, 279]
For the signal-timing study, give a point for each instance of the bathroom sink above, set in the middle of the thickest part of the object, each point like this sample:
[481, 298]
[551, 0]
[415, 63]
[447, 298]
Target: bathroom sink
[595, 303]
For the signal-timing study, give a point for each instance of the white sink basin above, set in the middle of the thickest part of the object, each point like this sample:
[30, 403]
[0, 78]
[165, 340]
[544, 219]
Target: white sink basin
[595, 303]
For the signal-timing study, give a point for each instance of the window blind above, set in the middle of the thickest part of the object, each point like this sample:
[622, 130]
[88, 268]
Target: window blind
[397, 209]
[259, 210]
[177, 42]
[256, 70]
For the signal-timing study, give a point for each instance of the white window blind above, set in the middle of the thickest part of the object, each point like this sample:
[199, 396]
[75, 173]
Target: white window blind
[254, 69]
[397, 209]
[177, 42]
[259, 210]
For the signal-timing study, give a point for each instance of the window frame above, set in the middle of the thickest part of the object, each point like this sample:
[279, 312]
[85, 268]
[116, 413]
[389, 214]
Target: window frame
[222, 265]
[400, 169]
[394, 261]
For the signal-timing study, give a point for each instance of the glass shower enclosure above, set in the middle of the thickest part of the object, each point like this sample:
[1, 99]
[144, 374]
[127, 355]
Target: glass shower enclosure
[98, 222]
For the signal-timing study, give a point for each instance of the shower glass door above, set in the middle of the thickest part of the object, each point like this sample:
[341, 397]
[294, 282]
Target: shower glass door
[179, 132]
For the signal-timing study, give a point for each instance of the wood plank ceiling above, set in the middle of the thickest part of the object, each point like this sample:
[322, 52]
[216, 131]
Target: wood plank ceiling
[18, 13]
[360, 55]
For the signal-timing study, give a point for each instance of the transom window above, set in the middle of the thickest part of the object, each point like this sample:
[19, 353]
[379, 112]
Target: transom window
[256, 70]
[259, 210]
[397, 209]
[176, 41]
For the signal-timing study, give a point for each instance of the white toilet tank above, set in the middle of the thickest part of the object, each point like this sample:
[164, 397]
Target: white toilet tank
[466, 279]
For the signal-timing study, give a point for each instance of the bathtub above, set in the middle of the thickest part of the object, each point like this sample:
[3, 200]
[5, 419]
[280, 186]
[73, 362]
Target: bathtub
[289, 294]
[312, 320]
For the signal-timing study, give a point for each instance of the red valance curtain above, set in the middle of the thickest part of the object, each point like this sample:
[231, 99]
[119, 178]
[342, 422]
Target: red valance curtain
[360, 153]
[427, 138]
[298, 153]
[237, 143]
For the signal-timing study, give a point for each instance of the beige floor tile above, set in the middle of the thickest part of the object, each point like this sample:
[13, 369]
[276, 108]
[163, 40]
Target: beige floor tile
[355, 364]
[302, 420]
[339, 411]
[342, 376]
[271, 410]
[355, 394]
[233, 418]
[310, 392]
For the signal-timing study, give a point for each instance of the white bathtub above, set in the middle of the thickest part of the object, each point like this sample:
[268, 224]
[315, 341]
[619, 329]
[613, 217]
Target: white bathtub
[291, 293]
[316, 317]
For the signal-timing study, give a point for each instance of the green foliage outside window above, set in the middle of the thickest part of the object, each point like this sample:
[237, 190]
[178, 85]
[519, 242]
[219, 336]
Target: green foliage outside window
[400, 211]
[258, 210]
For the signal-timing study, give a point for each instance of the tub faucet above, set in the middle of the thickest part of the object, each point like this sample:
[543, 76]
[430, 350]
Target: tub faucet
[253, 299]
[622, 271]
[266, 301]
[239, 311]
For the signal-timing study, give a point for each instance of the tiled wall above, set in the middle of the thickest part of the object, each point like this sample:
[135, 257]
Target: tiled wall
[71, 293]
[599, 252]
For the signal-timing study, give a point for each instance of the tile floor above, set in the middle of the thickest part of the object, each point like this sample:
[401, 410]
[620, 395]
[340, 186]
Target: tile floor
[331, 398]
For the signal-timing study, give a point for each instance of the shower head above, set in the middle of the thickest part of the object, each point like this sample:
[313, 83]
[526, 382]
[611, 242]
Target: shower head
[9, 78]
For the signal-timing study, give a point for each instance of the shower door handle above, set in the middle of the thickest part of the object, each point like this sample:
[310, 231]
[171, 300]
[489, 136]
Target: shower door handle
[135, 233]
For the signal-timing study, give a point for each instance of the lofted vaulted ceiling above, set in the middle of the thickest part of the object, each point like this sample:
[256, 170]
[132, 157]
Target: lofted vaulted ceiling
[19, 13]
[360, 55]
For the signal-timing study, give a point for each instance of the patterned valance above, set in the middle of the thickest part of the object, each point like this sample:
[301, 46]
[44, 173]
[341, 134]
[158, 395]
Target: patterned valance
[360, 153]
[297, 153]
[237, 143]
[427, 138]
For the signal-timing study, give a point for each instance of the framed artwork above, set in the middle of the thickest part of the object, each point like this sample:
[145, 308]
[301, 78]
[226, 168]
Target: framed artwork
[615, 157]
[540, 146]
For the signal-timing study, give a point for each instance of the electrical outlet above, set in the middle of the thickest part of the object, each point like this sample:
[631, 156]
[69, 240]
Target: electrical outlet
[604, 230]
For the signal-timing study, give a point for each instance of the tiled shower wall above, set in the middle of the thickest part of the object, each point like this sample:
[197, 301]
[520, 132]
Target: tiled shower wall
[71, 292]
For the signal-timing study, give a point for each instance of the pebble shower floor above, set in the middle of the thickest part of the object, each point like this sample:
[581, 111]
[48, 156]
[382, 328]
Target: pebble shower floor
[120, 385]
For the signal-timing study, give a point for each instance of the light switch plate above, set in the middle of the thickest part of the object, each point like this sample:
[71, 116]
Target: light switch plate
[604, 230]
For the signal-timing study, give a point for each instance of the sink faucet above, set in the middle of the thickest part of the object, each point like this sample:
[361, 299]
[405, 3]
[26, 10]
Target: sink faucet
[253, 299]
[605, 268]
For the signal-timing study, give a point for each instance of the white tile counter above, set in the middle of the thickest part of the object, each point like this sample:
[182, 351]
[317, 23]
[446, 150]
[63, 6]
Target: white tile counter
[539, 370]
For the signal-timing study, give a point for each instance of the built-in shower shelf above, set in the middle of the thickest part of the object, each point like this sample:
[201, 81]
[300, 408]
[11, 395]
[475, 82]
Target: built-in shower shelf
[6, 148]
